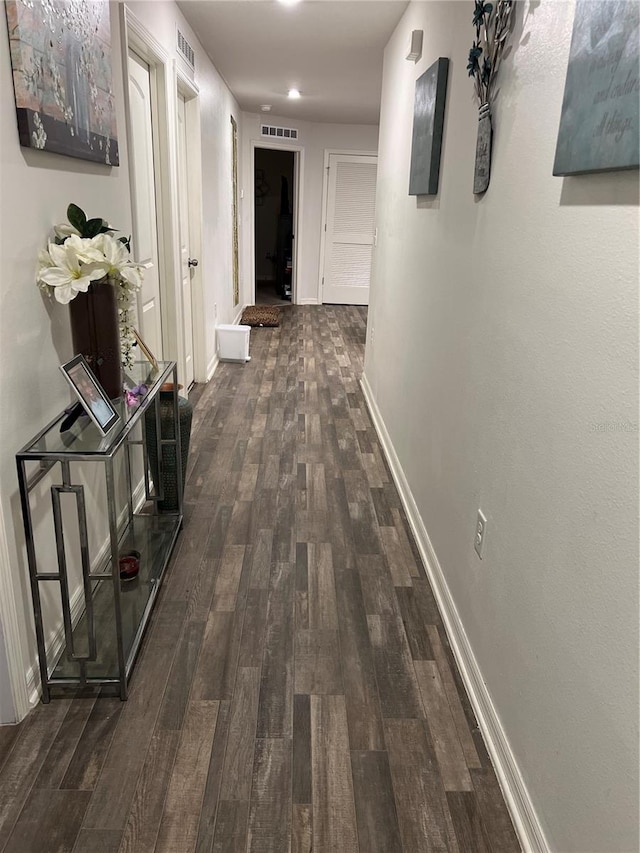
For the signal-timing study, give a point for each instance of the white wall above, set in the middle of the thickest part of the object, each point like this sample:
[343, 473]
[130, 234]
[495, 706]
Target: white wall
[313, 138]
[36, 188]
[505, 334]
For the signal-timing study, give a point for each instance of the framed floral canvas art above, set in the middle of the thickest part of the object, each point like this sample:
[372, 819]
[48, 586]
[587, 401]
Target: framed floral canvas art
[61, 61]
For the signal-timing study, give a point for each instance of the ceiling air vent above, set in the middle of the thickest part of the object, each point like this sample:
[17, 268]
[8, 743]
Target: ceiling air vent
[278, 132]
[186, 50]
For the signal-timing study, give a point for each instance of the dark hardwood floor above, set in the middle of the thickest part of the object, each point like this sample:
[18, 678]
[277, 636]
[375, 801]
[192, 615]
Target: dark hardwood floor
[295, 691]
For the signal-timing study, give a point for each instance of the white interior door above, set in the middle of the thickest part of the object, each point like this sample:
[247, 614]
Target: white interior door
[185, 268]
[350, 229]
[145, 225]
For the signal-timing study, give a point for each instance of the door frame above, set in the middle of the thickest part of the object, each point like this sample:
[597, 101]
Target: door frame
[137, 38]
[325, 205]
[166, 80]
[298, 171]
[191, 94]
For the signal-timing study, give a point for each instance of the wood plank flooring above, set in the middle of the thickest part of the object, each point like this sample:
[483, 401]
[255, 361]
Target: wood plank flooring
[296, 691]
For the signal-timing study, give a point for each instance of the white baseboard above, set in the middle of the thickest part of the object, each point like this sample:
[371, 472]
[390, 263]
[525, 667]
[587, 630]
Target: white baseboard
[56, 640]
[239, 314]
[517, 797]
[211, 367]
[15, 705]
[312, 300]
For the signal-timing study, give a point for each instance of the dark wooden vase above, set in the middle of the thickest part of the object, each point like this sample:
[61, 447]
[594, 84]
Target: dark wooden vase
[95, 333]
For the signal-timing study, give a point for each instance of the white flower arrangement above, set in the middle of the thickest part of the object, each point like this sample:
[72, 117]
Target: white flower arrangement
[86, 251]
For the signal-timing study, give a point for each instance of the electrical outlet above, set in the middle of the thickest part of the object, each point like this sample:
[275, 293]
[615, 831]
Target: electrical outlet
[481, 533]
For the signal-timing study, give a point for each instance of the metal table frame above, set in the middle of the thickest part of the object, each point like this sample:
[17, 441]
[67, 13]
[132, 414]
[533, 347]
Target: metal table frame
[120, 436]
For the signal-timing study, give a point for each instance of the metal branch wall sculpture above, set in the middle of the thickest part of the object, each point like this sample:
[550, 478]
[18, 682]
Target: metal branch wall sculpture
[492, 26]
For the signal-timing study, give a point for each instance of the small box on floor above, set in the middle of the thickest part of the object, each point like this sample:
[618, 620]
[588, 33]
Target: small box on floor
[233, 343]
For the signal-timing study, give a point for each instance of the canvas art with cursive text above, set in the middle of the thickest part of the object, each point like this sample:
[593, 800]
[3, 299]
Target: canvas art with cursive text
[599, 121]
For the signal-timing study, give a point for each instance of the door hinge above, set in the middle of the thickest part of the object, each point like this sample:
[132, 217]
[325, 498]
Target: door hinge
[325, 226]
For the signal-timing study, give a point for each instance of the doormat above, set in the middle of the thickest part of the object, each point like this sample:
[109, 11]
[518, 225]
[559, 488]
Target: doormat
[261, 315]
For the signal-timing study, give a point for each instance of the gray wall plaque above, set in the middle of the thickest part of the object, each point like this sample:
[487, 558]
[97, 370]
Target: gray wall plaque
[428, 125]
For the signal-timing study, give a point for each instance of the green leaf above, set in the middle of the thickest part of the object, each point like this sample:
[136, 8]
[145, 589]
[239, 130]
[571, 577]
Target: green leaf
[93, 227]
[77, 218]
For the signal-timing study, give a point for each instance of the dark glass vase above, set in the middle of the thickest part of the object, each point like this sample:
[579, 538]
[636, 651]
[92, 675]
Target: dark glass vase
[170, 484]
[95, 333]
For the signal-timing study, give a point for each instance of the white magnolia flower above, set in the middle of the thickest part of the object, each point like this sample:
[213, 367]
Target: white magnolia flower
[118, 260]
[65, 230]
[44, 263]
[68, 268]
[74, 266]
[86, 251]
[44, 260]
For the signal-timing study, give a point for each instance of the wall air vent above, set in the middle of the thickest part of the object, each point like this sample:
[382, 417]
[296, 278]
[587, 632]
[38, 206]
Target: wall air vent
[278, 132]
[186, 50]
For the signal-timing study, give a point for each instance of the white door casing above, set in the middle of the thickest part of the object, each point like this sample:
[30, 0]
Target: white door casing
[145, 223]
[350, 228]
[185, 269]
[298, 204]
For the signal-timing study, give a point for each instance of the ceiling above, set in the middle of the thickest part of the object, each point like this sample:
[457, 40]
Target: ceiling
[328, 49]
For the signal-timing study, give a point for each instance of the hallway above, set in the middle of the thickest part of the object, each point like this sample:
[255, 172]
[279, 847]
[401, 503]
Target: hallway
[296, 690]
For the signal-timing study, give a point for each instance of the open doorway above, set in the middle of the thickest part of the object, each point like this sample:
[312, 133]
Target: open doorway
[274, 199]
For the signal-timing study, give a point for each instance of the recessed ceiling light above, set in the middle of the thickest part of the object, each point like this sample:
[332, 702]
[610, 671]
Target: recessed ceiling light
[289, 2]
[293, 93]
[266, 108]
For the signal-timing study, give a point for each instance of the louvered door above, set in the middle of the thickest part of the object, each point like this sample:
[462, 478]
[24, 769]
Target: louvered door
[350, 229]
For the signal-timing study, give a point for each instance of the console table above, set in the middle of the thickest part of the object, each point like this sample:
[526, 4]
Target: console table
[105, 620]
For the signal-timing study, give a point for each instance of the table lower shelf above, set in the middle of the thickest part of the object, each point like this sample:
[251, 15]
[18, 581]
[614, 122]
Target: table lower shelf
[153, 536]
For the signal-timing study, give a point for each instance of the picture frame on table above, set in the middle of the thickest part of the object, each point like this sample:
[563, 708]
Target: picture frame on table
[144, 349]
[88, 391]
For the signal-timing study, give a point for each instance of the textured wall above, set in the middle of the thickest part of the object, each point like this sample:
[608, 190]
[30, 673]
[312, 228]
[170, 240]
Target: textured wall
[503, 335]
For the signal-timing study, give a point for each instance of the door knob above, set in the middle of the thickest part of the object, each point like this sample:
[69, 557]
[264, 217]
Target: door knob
[192, 262]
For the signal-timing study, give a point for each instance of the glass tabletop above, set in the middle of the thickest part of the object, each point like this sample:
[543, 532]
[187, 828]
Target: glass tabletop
[83, 437]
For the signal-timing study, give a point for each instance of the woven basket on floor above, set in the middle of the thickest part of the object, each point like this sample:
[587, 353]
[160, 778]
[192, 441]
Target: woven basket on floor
[261, 315]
